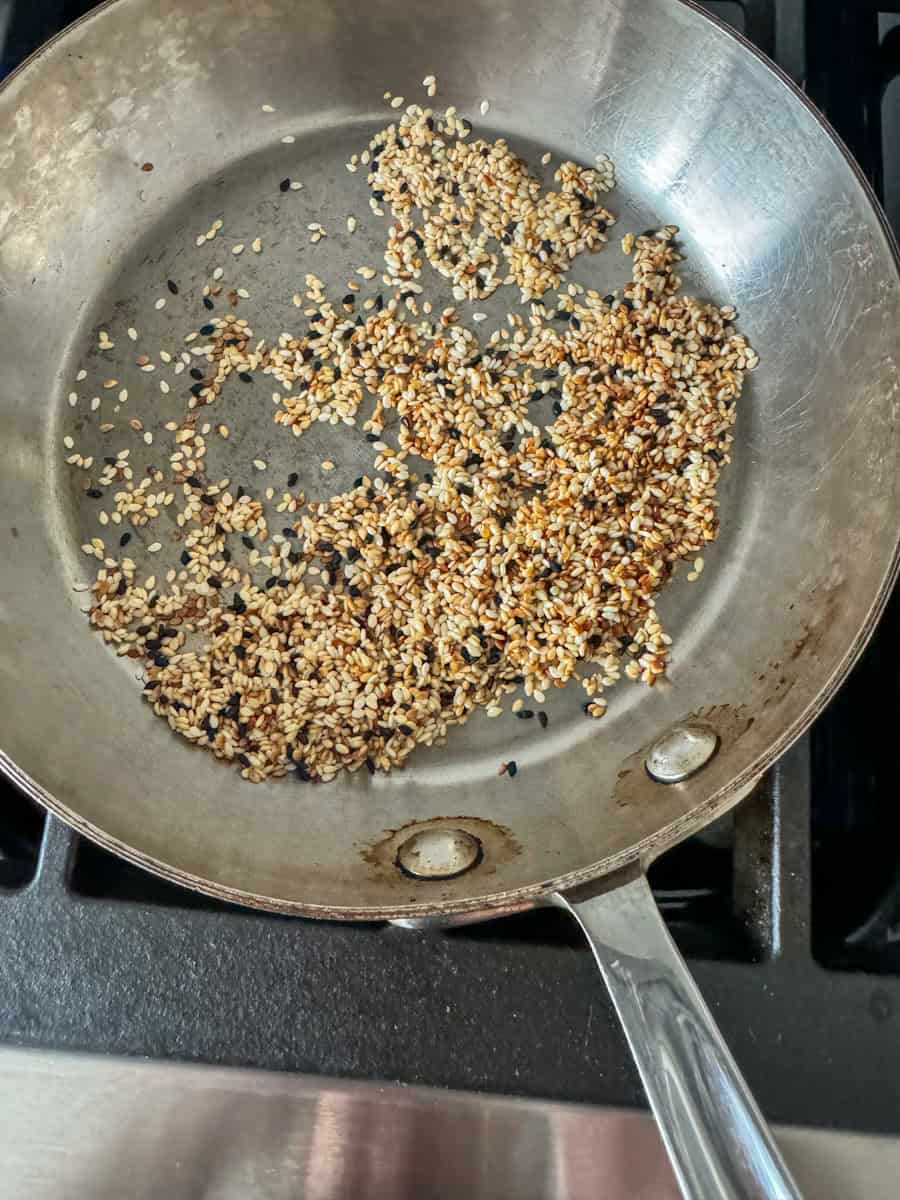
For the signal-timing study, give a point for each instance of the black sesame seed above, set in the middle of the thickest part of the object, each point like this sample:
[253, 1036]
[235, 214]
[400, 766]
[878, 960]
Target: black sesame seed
[373, 437]
[172, 286]
[185, 557]
[208, 304]
[206, 330]
[245, 377]
[543, 719]
[248, 541]
[525, 714]
[512, 769]
[94, 493]
[125, 538]
[349, 299]
[243, 760]
[301, 773]
[292, 479]
[629, 544]
[122, 587]
[196, 373]
[196, 389]
[284, 185]
[161, 660]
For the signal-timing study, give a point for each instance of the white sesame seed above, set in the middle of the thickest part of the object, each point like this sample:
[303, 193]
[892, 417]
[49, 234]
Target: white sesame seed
[95, 403]
[160, 303]
[351, 224]
[238, 249]
[68, 442]
[256, 245]
[483, 107]
[546, 158]
[73, 399]
[268, 108]
[296, 185]
[163, 386]
[259, 464]
[154, 547]
[82, 374]
[397, 102]
[218, 273]
[288, 139]
[327, 465]
[428, 81]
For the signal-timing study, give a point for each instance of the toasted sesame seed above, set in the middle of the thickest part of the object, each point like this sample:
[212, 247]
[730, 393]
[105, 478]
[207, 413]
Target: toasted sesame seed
[154, 547]
[238, 249]
[483, 107]
[577, 525]
[256, 245]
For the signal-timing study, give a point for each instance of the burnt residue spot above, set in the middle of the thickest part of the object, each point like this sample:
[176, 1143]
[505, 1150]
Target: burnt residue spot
[499, 846]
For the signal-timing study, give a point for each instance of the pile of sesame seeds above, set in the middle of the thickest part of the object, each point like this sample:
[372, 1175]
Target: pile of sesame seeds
[493, 547]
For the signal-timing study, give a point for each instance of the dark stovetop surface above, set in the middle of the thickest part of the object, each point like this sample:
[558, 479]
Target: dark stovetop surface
[789, 913]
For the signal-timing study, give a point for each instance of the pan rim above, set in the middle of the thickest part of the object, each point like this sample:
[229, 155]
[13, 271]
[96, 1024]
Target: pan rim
[641, 852]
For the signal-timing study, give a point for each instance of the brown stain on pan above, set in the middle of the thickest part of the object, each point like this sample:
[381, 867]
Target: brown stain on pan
[498, 842]
[634, 785]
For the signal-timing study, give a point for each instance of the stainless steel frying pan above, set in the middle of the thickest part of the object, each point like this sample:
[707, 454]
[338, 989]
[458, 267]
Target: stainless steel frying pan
[774, 217]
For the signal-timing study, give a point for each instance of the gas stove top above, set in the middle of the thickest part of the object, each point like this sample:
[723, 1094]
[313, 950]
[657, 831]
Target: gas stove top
[789, 911]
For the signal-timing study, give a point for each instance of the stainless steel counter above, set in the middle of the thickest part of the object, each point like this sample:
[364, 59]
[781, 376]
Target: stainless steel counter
[76, 1127]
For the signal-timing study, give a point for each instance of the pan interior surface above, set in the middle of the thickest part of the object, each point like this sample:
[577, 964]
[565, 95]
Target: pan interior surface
[703, 134]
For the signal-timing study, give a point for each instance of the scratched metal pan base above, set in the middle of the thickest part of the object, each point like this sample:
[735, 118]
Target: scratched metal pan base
[704, 135]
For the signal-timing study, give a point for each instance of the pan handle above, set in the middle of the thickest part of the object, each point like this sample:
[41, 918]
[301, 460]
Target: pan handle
[716, 1137]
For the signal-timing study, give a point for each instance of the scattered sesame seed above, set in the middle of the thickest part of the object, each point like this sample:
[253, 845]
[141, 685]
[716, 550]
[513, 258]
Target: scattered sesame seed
[397, 102]
[154, 547]
[238, 249]
[259, 464]
[483, 107]
[546, 158]
[268, 108]
[160, 303]
[327, 465]
[256, 245]
[288, 139]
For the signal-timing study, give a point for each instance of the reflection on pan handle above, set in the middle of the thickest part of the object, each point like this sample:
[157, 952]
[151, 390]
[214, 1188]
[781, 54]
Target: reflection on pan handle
[715, 1135]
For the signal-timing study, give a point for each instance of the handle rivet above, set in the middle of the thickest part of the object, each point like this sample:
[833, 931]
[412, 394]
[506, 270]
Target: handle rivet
[439, 853]
[681, 752]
